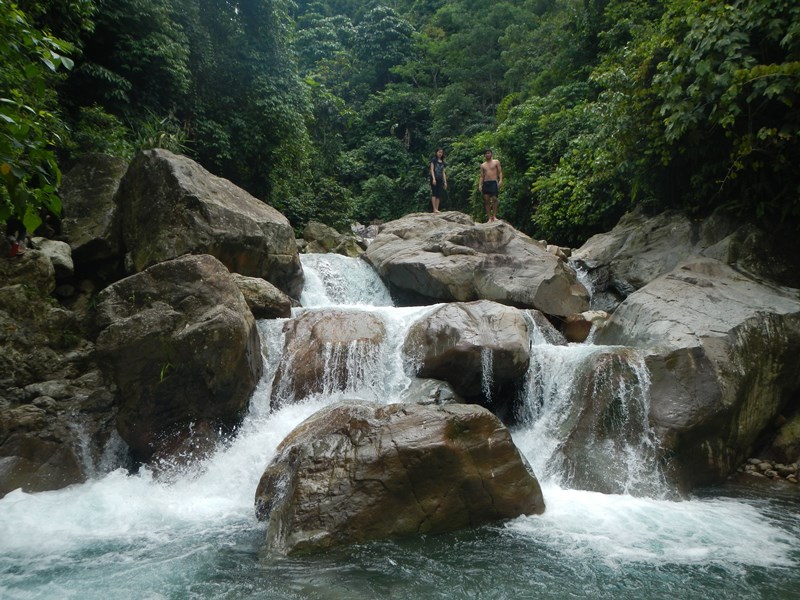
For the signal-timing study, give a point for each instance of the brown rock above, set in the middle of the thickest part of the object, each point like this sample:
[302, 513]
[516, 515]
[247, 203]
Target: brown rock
[355, 472]
[183, 349]
[329, 352]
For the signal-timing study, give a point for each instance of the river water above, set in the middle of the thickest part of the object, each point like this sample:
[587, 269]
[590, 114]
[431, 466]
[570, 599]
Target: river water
[195, 536]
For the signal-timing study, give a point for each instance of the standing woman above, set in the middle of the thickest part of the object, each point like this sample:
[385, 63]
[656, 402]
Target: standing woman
[438, 178]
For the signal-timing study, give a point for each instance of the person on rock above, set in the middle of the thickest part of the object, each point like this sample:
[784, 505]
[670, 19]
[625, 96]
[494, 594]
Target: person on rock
[438, 178]
[489, 184]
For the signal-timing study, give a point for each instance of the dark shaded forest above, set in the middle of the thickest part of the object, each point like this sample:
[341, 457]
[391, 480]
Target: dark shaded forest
[330, 110]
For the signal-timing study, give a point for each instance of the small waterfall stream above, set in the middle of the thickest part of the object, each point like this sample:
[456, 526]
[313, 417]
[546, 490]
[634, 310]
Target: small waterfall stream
[195, 536]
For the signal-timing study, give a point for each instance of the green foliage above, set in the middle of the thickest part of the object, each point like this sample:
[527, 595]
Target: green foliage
[30, 129]
[135, 60]
[96, 130]
[153, 131]
[324, 200]
[731, 85]
[67, 19]
[330, 109]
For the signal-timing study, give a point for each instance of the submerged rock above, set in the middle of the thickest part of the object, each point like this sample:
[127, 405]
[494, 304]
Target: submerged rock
[355, 472]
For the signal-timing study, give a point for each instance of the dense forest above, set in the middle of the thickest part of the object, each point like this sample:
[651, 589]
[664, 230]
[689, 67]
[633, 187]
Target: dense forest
[331, 109]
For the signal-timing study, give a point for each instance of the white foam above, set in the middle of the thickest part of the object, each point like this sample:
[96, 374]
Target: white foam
[618, 529]
[335, 280]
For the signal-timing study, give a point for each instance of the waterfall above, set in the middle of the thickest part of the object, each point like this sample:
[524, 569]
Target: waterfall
[584, 417]
[335, 280]
[582, 411]
[582, 274]
[123, 535]
[356, 369]
[487, 367]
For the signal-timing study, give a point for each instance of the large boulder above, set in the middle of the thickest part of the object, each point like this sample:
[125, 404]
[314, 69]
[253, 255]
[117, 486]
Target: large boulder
[723, 351]
[327, 352]
[172, 206]
[477, 347]
[92, 220]
[354, 472]
[447, 257]
[642, 247]
[182, 347]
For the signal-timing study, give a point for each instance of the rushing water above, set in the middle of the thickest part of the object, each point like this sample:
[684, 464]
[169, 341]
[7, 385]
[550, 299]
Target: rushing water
[195, 536]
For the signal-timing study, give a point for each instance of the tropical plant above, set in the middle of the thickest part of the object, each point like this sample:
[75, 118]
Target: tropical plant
[30, 129]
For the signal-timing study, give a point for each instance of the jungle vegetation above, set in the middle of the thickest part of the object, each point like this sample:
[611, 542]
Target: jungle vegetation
[330, 110]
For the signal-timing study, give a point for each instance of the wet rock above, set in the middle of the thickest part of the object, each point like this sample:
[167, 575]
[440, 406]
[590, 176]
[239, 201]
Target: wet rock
[327, 352]
[472, 346]
[723, 351]
[182, 347]
[355, 472]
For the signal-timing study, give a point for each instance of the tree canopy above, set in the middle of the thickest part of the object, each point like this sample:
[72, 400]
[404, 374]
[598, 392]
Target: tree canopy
[330, 110]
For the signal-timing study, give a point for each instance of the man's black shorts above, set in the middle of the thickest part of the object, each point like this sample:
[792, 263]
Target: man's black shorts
[490, 188]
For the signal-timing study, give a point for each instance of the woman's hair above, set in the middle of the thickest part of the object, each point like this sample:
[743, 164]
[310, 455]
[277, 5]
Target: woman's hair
[435, 154]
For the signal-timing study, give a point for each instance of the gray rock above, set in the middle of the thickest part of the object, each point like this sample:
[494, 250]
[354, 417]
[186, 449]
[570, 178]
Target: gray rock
[447, 257]
[641, 248]
[723, 353]
[322, 239]
[182, 347]
[430, 391]
[91, 221]
[459, 341]
[33, 270]
[172, 206]
[357, 472]
[60, 256]
[264, 299]
[56, 414]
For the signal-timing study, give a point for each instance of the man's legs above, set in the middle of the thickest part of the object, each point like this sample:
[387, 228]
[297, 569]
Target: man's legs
[490, 204]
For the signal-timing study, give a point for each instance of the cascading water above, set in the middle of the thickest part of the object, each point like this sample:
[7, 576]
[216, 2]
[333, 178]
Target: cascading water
[604, 392]
[195, 536]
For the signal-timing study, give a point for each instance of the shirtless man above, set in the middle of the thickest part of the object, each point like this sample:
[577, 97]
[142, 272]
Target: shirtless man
[489, 185]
